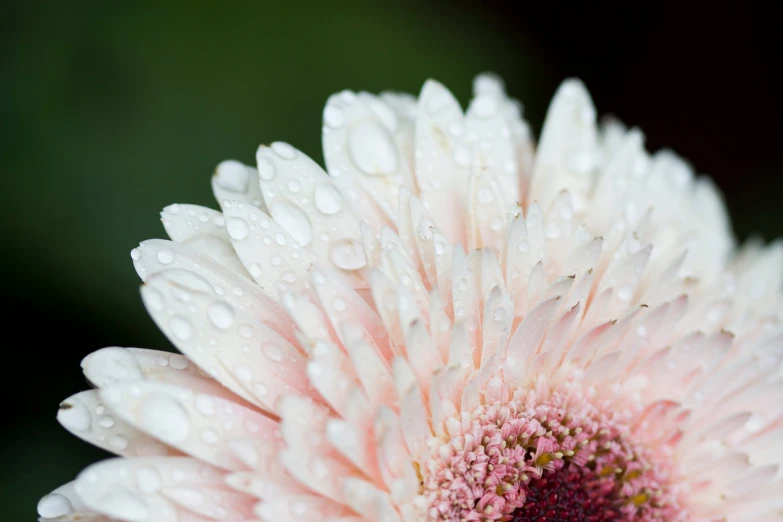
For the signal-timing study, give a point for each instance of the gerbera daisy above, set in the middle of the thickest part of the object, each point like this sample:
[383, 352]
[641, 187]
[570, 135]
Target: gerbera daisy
[445, 327]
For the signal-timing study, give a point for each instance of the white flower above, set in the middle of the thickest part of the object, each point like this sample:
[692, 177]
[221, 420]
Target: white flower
[445, 327]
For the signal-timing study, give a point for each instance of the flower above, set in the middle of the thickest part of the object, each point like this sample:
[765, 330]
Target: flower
[445, 327]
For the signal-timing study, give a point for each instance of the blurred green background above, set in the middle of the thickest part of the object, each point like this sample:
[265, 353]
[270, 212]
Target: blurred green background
[110, 111]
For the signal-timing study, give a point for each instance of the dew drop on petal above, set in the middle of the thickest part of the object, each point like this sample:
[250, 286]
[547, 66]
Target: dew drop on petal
[186, 496]
[333, 116]
[243, 372]
[273, 352]
[485, 106]
[266, 169]
[231, 176]
[221, 315]
[347, 254]
[293, 220]
[245, 330]
[148, 480]
[135, 255]
[485, 196]
[165, 418]
[112, 365]
[165, 256]
[178, 362]
[625, 292]
[462, 156]
[209, 436]
[237, 228]
[205, 405]
[338, 304]
[437, 103]
[118, 442]
[124, 505]
[328, 200]
[181, 328]
[284, 150]
[372, 149]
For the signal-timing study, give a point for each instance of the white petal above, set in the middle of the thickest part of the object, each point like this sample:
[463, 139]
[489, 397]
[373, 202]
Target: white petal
[85, 415]
[276, 261]
[198, 424]
[204, 230]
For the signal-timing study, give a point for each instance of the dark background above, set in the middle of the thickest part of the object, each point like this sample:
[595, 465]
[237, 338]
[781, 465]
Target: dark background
[110, 112]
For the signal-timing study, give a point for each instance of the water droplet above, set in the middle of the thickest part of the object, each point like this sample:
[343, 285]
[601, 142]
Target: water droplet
[74, 416]
[209, 436]
[54, 505]
[273, 352]
[135, 255]
[123, 505]
[284, 150]
[523, 246]
[462, 156]
[347, 254]
[232, 176]
[288, 276]
[334, 116]
[260, 389]
[485, 196]
[174, 209]
[440, 248]
[552, 230]
[106, 422]
[485, 106]
[243, 372]
[437, 103]
[245, 331]
[625, 292]
[276, 260]
[187, 497]
[148, 480]
[178, 362]
[298, 507]
[180, 327]
[496, 224]
[237, 228]
[266, 169]
[205, 405]
[385, 114]
[294, 186]
[165, 256]
[221, 314]
[118, 442]
[112, 365]
[165, 418]
[338, 304]
[372, 149]
[328, 200]
[293, 220]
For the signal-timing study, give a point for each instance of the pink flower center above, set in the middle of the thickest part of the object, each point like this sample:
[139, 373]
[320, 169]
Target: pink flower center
[560, 459]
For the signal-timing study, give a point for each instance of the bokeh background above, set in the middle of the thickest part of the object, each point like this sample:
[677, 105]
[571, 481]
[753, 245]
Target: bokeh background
[111, 110]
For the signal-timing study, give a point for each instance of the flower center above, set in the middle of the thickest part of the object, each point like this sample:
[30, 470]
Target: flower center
[572, 494]
[562, 458]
